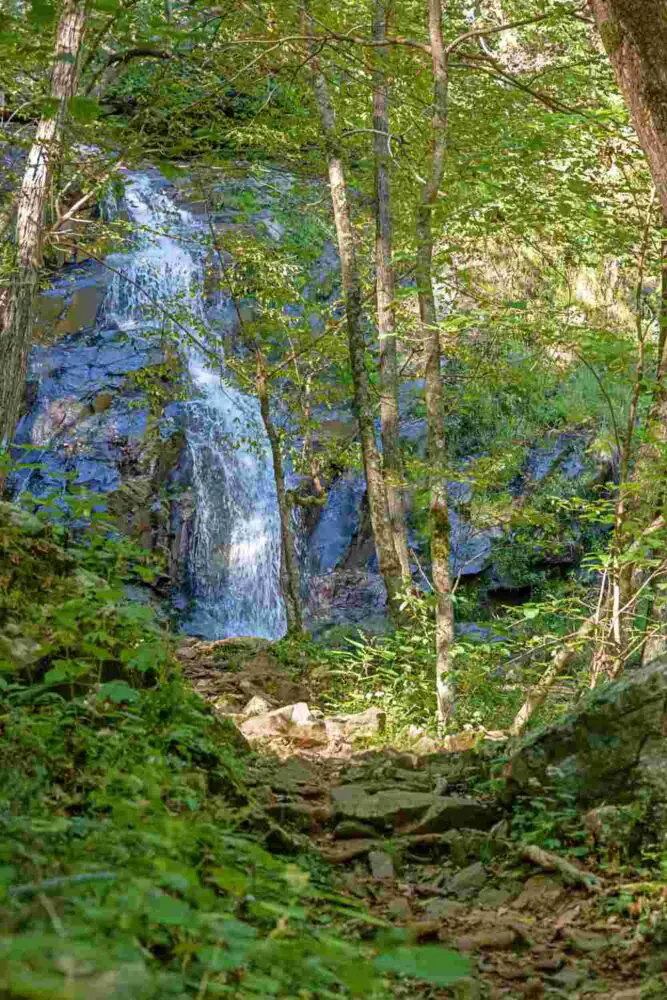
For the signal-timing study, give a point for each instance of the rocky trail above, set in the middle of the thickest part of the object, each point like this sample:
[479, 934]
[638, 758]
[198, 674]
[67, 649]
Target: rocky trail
[423, 839]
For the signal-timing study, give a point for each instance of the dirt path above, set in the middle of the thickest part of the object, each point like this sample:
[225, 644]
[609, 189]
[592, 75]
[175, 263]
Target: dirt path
[420, 840]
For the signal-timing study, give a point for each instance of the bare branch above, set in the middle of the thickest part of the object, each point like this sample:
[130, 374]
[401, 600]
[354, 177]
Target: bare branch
[497, 28]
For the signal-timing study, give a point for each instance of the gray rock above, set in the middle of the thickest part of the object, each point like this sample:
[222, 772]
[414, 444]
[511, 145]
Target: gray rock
[381, 809]
[443, 909]
[468, 881]
[350, 829]
[256, 706]
[454, 813]
[610, 749]
[350, 727]
[492, 898]
[381, 865]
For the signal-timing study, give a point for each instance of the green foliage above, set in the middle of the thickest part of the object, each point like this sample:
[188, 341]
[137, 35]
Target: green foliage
[395, 673]
[133, 862]
[554, 823]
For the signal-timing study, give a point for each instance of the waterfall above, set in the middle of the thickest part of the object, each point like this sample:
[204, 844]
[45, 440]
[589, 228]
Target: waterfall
[234, 562]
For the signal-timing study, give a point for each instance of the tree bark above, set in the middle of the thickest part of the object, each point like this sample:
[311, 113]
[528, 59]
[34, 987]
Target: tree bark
[32, 200]
[634, 34]
[538, 693]
[385, 279]
[289, 571]
[377, 499]
[435, 411]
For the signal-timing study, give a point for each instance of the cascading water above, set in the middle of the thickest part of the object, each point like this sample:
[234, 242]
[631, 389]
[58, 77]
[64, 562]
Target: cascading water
[234, 562]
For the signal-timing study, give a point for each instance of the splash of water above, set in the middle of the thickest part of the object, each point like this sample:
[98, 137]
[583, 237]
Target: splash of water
[234, 562]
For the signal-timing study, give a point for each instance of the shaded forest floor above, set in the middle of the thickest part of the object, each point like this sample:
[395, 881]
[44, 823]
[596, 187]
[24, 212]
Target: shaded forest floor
[422, 841]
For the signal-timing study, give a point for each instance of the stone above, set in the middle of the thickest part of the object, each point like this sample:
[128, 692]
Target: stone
[292, 774]
[568, 978]
[348, 850]
[362, 725]
[290, 721]
[585, 941]
[610, 749]
[491, 938]
[256, 706]
[614, 830]
[453, 812]
[308, 734]
[300, 814]
[381, 865]
[381, 809]
[399, 908]
[539, 893]
[425, 744]
[460, 742]
[270, 724]
[349, 829]
[491, 898]
[300, 713]
[444, 909]
[468, 881]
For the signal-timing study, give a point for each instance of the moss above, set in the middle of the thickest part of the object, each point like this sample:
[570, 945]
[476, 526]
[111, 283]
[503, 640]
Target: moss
[612, 36]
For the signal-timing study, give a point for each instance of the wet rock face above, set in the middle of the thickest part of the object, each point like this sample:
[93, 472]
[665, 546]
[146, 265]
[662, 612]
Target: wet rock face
[89, 422]
[611, 749]
[73, 301]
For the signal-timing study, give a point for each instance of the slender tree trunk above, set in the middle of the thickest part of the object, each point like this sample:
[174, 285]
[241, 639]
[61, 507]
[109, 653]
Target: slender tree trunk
[289, 571]
[32, 200]
[634, 34]
[538, 693]
[377, 499]
[435, 410]
[386, 292]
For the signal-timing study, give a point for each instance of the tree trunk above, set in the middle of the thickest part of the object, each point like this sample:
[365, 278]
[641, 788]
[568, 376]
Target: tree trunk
[634, 33]
[386, 291]
[377, 499]
[538, 693]
[32, 199]
[289, 571]
[435, 411]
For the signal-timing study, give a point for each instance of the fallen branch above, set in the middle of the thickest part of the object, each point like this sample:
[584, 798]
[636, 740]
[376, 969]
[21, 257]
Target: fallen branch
[553, 863]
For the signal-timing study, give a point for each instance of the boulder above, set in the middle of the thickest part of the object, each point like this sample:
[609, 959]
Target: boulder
[256, 706]
[468, 881]
[380, 809]
[351, 727]
[610, 749]
[455, 813]
[411, 812]
[293, 722]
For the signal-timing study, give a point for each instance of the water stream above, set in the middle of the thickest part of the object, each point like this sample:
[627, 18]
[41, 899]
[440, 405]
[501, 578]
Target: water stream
[234, 561]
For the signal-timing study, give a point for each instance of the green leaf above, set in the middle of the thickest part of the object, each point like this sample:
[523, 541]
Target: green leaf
[42, 11]
[230, 880]
[431, 963]
[84, 109]
[171, 912]
[118, 692]
[531, 612]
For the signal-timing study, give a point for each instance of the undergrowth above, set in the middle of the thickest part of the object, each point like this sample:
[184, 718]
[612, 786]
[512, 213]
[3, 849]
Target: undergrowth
[492, 669]
[133, 862]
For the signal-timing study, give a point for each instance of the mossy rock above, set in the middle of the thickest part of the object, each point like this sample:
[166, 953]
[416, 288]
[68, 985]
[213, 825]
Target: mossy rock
[610, 749]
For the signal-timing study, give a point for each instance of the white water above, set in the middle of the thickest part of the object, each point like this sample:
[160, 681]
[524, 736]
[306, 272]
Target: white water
[234, 562]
